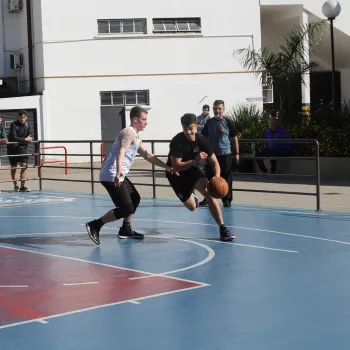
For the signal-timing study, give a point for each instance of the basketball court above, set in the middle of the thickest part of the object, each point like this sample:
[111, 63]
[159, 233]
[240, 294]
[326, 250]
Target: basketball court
[284, 283]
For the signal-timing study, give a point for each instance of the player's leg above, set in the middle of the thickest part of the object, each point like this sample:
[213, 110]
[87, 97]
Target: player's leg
[226, 173]
[214, 208]
[13, 164]
[124, 208]
[24, 166]
[183, 186]
[126, 230]
[209, 173]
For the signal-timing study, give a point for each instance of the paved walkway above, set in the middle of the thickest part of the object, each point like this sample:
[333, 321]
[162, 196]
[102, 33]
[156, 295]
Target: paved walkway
[333, 198]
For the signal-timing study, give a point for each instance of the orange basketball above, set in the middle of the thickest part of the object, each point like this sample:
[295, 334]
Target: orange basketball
[217, 187]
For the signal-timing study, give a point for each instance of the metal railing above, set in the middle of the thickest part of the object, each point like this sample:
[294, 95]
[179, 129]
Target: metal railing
[91, 143]
[65, 160]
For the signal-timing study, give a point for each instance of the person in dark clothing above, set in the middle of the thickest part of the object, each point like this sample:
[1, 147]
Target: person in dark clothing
[186, 150]
[274, 149]
[3, 135]
[221, 133]
[20, 132]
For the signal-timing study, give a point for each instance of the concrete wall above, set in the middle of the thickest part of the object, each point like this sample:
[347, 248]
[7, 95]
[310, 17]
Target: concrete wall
[179, 70]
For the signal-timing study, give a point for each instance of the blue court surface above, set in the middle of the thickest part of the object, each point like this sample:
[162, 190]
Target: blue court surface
[283, 284]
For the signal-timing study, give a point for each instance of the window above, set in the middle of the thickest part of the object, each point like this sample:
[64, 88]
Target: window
[122, 26]
[267, 87]
[164, 25]
[124, 98]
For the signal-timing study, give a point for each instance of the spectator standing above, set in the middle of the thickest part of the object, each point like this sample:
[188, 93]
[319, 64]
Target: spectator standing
[203, 118]
[221, 132]
[20, 132]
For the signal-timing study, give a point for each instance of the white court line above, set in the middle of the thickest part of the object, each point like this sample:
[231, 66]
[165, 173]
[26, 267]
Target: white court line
[187, 223]
[183, 238]
[210, 256]
[134, 302]
[42, 321]
[181, 222]
[79, 283]
[250, 229]
[13, 286]
[241, 245]
[201, 285]
[101, 264]
[29, 204]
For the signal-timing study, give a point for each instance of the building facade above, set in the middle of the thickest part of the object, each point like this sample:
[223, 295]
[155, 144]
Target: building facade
[90, 59]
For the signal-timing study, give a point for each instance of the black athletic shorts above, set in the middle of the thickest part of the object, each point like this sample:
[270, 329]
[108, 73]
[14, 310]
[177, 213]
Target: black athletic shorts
[18, 159]
[17, 155]
[183, 185]
[125, 193]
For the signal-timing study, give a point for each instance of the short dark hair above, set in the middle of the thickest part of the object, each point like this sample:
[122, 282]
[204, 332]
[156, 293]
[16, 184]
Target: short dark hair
[206, 107]
[22, 112]
[188, 119]
[137, 111]
[219, 102]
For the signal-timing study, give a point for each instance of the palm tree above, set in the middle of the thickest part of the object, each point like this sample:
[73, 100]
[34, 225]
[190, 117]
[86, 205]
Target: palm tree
[291, 60]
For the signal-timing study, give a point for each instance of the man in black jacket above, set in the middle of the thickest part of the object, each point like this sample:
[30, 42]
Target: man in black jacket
[19, 132]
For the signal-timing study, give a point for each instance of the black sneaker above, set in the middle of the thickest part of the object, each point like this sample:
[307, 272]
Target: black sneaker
[93, 231]
[127, 232]
[24, 189]
[227, 204]
[203, 203]
[16, 188]
[225, 234]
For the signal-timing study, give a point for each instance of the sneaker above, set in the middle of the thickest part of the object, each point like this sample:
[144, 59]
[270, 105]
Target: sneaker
[16, 188]
[127, 232]
[203, 203]
[196, 200]
[227, 204]
[24, 189]
[225, 234]
[93, 231]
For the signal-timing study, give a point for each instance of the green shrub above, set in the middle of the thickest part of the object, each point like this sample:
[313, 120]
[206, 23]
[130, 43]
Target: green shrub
[333, 136]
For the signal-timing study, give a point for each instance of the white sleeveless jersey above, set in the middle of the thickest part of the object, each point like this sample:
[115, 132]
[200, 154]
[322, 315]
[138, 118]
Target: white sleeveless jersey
[109, 168]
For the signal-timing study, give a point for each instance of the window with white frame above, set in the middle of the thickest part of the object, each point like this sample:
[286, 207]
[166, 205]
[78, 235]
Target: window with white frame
[166, 25]
[267, 87]
[122, 26]
[124, 98]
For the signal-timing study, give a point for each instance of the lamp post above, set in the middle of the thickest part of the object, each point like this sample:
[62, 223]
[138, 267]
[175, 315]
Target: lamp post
[331, 9]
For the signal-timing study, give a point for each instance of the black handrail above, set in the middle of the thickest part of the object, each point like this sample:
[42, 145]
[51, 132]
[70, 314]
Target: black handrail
[153, 171]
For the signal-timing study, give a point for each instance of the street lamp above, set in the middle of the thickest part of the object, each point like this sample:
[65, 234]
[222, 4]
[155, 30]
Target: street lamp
[331, 9]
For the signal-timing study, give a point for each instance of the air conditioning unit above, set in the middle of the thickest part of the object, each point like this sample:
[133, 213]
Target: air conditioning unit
[16, 61]
[15, 6]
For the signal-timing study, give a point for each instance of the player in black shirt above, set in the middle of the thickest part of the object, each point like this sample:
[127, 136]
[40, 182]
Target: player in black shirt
[187, 149]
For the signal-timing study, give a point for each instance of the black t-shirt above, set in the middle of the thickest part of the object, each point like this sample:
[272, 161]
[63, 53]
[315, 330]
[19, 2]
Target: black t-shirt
[181, 147]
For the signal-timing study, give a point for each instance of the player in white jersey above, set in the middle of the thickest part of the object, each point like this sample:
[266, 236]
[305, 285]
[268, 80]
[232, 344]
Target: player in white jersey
[113, 177]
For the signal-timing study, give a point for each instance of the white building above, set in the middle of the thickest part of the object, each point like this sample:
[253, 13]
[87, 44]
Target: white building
[92, 57]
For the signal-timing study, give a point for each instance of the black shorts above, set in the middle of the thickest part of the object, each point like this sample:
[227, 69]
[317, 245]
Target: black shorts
[17, 155]
[123, 194]
[18, 159]
[183, 185]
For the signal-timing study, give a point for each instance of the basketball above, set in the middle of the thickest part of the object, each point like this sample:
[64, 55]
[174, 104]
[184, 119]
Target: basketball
[217, 187]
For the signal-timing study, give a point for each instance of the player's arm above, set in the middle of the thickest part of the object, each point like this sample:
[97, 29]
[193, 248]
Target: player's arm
[213, 161]
[179, 165]
[126, 139]
[233, 132]
[151, 158]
